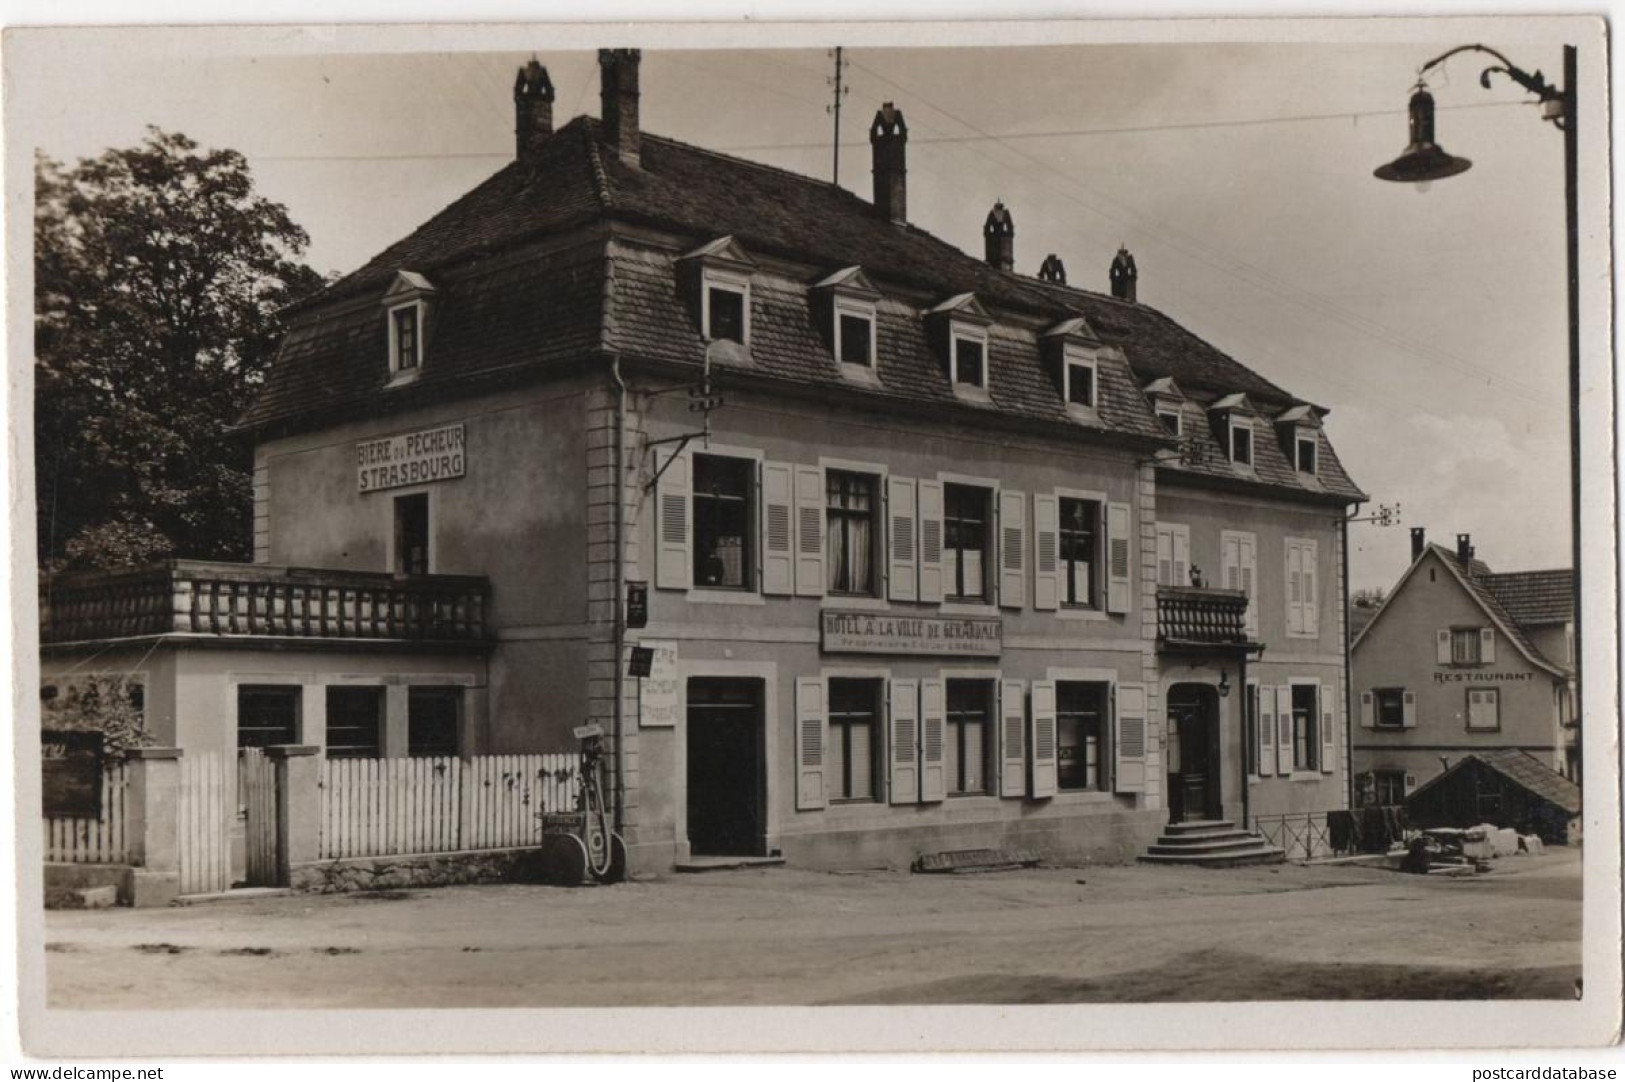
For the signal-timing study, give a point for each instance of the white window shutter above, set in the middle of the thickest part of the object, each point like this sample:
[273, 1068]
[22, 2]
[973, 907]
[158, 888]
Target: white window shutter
[1283, 733]
[1441, 646]
[1165, 556]
[931, 585]
[1410, 710]
[1012, 549]
[1012, 738]
[933, 734]
[1042, 739]
[1118, 561]
[1230, 561]
[1266, 731]
[674, 560]
[1182, 558]
[1486, 644]
[810, 529]
[1368, 710]
[902, 540]
[1046, 551]
[903, 742]
[1328, 730]
[1129, 731]
[1311, 595]
[812, 737]
[1294, 587]
[1249, 580]
[777, 560]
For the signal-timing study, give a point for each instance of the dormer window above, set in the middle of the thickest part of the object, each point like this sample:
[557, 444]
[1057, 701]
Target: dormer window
[1168, 402]
[1299, 429]
[970, 358]
[1171, 421]
[1071, 351]
[845, 303]
[406, 309]
[959, 328]
[726, 317]
[716, 278]
[855, 336]
[406, 343]
[1308, 448]
[1233, 424]
[1241, 442]
[1080, 381]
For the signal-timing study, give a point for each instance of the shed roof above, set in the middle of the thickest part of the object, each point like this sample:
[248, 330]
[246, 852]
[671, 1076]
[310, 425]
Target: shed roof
[1520, 768]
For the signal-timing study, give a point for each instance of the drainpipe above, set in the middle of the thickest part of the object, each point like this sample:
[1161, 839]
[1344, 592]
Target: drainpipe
[1246, 742]
[620, 589]
[1348, 675]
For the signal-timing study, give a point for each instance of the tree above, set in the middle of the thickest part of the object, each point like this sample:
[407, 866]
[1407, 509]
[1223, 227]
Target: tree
[159, 274]
[1367, 598]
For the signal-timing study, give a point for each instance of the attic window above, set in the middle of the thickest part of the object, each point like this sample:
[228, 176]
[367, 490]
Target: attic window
[1170, 420]
[1241, 442]
[969, 357]
[727, 307]
[854, 332]
[405, 338]
[1308, 447]
[1080, 381]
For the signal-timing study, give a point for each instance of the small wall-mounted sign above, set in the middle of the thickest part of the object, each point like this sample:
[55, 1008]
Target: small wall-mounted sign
[659, 698]
[637, 603]
[642, 662]
[71, 774]
[433, 454]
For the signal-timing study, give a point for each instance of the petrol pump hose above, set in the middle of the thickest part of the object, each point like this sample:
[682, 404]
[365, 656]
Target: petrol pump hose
[595, 820]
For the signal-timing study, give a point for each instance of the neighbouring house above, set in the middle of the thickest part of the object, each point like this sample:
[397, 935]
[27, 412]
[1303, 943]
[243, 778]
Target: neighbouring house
[1504, 788]
[1460, 659]
[920, 552]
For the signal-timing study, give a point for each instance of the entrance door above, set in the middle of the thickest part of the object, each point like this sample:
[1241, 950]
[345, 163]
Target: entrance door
[257, 796]
[725, 767]
[1194, 781]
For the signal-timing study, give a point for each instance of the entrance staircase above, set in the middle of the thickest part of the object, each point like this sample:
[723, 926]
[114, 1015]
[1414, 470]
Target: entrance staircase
[1210, 843]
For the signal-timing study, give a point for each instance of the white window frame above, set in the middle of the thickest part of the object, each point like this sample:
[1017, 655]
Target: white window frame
[1475, 637]
[1298, 631]
[389, 505]
[751, 595]
[397, 374]
[1175, 529]
[731, 281]
[1468, 709]
[1236, 424]
[1225, 537]
[859, 309]
[990, 762]
[1300, 772]
[990, 553]
[1376, 708]
[1299, 438]
[1076, 358]
[1178, 427]
[883, 677]
[882, 551]
[1064, 611]
[962, 331]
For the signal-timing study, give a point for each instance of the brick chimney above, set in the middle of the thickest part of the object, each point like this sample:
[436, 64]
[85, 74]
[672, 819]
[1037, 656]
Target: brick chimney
[1052, 270]
[532, 109]
[618, 102]
[1124, 275]
[1464, 552]
[999, 238]
[1419, 542]
[888, 135]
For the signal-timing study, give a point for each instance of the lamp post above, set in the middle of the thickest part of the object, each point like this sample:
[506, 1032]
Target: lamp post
[1424, 161]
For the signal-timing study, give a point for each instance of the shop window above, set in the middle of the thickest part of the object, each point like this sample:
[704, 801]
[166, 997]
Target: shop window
[855, 335]
[267, 716]
[431, 721]
[412, 534]
[724, 508]
[1241, 442]
[964, 556]
[1484, 709]
[1305, 727]
[355, 722]
[1390, 707]
[1308, 446]
[1080, 734]
[1464, 646]
[970, 708]
[851, 510]
[854, 732]
[969, 359]
[1080, 549]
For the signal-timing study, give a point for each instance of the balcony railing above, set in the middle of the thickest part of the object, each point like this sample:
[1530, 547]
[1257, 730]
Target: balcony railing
[1197, 616]
[205, 598]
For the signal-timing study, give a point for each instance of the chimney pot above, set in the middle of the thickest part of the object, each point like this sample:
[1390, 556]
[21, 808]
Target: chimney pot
[1052, 270]
[999, 238]
[1419, 542]
[888, 136]
[618, 102]
[532, 109]
[1124, 276]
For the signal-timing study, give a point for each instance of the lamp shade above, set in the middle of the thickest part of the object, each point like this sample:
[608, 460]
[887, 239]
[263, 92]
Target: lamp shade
[1423, 160]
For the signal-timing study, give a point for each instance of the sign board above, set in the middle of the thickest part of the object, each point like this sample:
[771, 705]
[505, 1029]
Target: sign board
[588, 731]
[660, 697]
[71, 774]
[637, 604]
[884, 633]
[642, 662]
[416, 458]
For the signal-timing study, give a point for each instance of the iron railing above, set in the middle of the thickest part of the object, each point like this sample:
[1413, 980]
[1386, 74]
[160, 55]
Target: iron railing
[1314, 835]
[1201, 616]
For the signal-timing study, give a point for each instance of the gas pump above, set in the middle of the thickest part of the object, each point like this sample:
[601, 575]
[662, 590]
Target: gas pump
[578, 846]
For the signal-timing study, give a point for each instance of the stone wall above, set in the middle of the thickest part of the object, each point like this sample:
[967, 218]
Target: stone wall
[416, 870]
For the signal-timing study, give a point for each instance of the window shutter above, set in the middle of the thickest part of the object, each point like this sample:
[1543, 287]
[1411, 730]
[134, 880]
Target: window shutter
[1182, 558]
[930, 540]
[903, 742]
[1283, 733]
[1441, 644]
[1046, 551]
[1119, 558]
[1230, 560]
[1012, 549]
[1129, 739]
[777, 562]
[1248, 545]
[1410, 710]
[1266, 731]
[1368, 710]
[1294, 587]
[1328, 730]
[1042, 739]
[810, 529]
[1311, 599]
[902, 572]
[812, 737]
[933, 731]
[1486, 644]
[674, 561]
[1165, 556]
[1012, 738]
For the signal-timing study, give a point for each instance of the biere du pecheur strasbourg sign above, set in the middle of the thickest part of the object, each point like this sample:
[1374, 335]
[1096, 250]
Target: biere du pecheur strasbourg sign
[416, 458]
[884, 633]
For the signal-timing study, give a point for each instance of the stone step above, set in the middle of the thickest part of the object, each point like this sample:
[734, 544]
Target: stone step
[1204, 838]
[1198, 826]
[1262, 854]
[722, 864]
[1225, 845]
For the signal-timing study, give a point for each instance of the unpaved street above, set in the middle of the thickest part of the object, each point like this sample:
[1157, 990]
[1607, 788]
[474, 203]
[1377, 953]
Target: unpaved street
[786, 936]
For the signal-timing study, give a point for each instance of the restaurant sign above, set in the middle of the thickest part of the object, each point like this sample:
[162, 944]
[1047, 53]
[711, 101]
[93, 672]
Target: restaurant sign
[416, 458]
[884, 633]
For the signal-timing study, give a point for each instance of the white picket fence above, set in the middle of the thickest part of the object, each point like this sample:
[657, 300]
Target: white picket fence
[206, 808]
[390, 807]
[93, 841]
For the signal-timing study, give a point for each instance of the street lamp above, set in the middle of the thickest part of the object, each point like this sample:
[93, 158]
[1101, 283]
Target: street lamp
[1424, 161]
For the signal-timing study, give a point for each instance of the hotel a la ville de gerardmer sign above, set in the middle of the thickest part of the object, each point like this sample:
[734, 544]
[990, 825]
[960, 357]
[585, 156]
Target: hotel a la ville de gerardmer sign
[883, 633]
[415, 458]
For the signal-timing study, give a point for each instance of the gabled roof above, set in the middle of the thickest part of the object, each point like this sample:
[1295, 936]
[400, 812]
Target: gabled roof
[963, 305]
[1165, 387]
[409, 283]
[1233, 403]
[1520, 768]
[1299, 415]
[722, 250]
[1076, 327]
[849, 280]
[1535, 598]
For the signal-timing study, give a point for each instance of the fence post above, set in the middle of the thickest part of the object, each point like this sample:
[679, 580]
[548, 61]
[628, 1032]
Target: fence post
[298, 808]
[152, 826]
[465, 803]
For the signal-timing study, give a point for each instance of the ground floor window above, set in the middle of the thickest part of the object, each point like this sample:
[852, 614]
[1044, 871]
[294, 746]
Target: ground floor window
[267, 716]
[1080, 734]
[431, 721]
[1484, 708]
[1390, 707]
[1389, 787]
[854, 726]
[354, 722]
[1305, 730]
[970, 709]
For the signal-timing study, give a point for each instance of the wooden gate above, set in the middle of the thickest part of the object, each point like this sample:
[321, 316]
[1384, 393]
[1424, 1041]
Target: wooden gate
[257, 796]
[205, 808]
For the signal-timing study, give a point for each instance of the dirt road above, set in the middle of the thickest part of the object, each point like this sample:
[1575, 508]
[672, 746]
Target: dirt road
[786, 936]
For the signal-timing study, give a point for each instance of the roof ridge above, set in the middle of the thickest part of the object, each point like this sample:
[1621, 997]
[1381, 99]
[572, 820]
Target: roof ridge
[599, 177]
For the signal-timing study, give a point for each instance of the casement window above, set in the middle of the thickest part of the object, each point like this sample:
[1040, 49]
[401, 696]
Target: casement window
[852, 763]
[1241, 442]
[1173, 554]
[1238, 556]
[1302, 588]
[1080, 381]
[1080, 734]
[968, 357]
[724, 510]
[267, 715]
[1308, 452]
[968, 736]
[854, 333]
[432, 720]
[725, 314]
[1171, 421]
[355, 718]
[406, 338]
[1079, 531]
[965, 541]
[1483, 709]
[852, 512]
[1389, 704]
[1389, 787]
[1464, 646]
[412, 534]
[1305, 727]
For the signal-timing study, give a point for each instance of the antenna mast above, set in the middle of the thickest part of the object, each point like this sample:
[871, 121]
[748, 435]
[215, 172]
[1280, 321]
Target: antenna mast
[841, 90]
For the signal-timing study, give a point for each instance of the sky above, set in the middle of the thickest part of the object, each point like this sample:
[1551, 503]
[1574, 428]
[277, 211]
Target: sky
[1431, 325]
